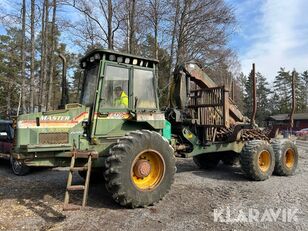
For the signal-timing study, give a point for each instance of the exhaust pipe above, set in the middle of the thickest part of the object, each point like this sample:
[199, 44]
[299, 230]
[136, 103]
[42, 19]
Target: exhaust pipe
[64, 97]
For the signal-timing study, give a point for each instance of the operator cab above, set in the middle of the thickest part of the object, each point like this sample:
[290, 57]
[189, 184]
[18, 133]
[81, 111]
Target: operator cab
[114, 81]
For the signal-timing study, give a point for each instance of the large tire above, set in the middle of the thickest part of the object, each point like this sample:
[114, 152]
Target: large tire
[207, 161]
[257, 160]
[286, 157]
[18, 167]
[140, 152]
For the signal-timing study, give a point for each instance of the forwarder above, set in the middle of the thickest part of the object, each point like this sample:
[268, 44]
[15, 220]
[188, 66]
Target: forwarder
[132, 145]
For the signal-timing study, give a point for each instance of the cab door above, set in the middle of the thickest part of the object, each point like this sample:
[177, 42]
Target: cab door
[114, 100]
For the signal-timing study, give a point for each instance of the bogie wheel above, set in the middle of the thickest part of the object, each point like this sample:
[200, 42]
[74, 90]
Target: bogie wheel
[207, 160]
[18, 167]
[286, 157]
[257, 160]
[140, 169]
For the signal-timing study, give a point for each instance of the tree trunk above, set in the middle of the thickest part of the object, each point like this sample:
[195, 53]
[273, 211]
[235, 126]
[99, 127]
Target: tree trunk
[182, 48]
[23, 62]
[8, 101]
[45, 87]
[131, 27]
[109, 20]
[174, 30]
[42, 58]
[32, 68]
[52, 59]
[155, 11]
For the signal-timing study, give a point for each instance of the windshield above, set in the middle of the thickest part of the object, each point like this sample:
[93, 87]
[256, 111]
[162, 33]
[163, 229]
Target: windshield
[89, 86]
[115, 90]
[144, 89]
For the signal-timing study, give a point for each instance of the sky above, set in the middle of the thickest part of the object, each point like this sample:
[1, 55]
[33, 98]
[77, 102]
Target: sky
[271, 34]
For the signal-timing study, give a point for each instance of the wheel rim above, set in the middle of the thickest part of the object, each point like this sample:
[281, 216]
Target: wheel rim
[264, 160]
[17, 165]
[147, 170]
[289, 158]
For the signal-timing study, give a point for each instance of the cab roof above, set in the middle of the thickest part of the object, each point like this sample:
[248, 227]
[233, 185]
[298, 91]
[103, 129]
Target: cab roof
[102, 52]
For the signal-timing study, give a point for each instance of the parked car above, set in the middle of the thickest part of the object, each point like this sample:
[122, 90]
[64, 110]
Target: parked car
[302, 132]
[6, 138]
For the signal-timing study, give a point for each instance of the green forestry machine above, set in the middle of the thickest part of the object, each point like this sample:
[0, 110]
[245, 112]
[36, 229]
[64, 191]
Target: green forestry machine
[119, 134]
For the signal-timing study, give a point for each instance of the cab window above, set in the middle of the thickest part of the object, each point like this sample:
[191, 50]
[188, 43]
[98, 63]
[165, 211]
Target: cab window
[89, 86]
[144, 89]
[115, 87]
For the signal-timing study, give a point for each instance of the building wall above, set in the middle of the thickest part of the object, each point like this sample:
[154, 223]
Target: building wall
[300, 124]
[284, 125]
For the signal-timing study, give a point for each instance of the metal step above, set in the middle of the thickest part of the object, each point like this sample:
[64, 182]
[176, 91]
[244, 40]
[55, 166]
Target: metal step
[85, 188]
[86, 154]
[68, 207]
[76, 169]
[75, 187]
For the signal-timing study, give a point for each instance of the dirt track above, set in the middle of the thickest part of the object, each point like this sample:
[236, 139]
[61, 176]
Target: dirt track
[34, 202]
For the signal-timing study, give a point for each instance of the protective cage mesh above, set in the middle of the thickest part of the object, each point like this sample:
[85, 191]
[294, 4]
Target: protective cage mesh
[53, 138]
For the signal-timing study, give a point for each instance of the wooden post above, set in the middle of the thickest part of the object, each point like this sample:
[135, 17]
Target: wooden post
[293, 105]
[254, 96]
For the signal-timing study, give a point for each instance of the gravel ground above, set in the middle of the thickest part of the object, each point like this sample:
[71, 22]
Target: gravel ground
[34, 202]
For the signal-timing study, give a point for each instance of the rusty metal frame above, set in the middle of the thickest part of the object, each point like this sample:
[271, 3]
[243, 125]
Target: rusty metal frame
[210, 106]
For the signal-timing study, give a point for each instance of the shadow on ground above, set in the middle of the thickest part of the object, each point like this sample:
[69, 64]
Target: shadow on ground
[221, 172]
[42, 192]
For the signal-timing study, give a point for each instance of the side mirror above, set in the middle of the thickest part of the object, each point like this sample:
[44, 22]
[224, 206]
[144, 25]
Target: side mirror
[3, 135]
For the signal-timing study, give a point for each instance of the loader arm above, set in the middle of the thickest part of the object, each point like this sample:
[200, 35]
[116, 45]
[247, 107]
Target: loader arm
[180, 92]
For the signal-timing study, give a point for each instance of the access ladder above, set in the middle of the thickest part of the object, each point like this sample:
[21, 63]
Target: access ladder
[76, 154]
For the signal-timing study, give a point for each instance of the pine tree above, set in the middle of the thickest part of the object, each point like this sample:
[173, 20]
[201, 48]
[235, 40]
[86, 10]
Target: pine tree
[10, 81]
[240, 91]
[274, 103]
[283, 87]
[300, 94]
[263, 93]
[248, 96]
[304, 77]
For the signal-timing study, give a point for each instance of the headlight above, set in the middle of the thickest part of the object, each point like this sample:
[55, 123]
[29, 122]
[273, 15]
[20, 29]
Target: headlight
[97, 56]
[120, 59]
[127, 60]
[112, 57]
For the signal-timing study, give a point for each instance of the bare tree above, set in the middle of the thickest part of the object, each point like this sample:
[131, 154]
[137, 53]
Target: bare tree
[174, 20]
[23, 57]
[109, 16]
[42, 63]
[202, 30]
[93, 13]
[45, 57]
[32, 65]
[131, 6]
[155, 12]
[52, 55]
